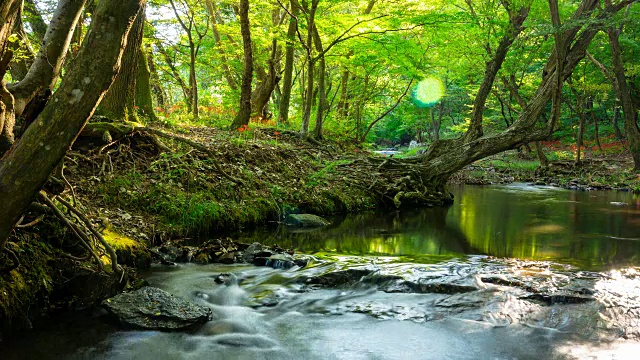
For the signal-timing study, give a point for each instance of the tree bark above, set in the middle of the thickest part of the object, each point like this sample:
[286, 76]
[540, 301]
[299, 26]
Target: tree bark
[285, 101]
[27, 167]
[9, 11]
[120, 101]
[244, 114]
[46, 67]
[144, 98]
[623, 93]
[322, 91]
[308, 103]
[267, 83]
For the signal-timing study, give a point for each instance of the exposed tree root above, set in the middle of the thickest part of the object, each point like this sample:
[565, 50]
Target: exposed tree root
[112, 254]
[80, 235]
[116, 131]
[401, 182]
[13, 258]
[84, 231]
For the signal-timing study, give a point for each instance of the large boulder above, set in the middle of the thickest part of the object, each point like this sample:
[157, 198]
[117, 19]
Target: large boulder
[155, 309]
[306, 220]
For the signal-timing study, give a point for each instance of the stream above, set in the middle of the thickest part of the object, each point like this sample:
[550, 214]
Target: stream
[507, 272]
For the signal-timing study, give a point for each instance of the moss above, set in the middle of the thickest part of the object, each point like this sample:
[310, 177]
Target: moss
[129, 251]
[22, 287]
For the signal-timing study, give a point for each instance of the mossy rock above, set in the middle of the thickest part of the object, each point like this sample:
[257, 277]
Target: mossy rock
[306, 220]
[129, 251]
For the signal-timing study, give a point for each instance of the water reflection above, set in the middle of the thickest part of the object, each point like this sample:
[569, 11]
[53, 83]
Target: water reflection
[592, 230]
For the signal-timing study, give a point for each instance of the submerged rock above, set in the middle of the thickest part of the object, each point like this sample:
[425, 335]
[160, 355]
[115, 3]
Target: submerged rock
[306, 220]
[155, 309]
[439, 286]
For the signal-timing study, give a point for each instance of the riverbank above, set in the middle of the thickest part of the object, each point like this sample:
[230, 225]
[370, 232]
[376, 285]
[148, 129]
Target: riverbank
[140, 191]
[204, 183]
[601, 172]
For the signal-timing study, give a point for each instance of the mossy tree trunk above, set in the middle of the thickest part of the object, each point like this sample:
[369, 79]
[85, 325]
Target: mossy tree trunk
[119, 102]
[27, 167]
[144, 98]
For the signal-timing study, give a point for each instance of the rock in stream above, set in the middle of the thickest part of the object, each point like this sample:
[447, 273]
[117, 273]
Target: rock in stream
[155, 309]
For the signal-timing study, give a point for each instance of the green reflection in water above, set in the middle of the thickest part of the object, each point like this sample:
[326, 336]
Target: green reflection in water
[592, 230]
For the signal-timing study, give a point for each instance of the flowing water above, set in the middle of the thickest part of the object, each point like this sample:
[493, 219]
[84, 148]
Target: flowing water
[508, 272]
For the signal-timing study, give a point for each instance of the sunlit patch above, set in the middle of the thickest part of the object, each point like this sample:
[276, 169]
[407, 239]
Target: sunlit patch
[428, 92]
[619, 295]
[546, 229]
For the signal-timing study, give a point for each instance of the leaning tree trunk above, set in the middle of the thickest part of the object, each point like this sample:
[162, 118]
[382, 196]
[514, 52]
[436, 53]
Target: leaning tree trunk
[120, 101]
[27, 167]
[261, 96]
[446, 157]
[43, 73]
[9, 11]
[244, 114]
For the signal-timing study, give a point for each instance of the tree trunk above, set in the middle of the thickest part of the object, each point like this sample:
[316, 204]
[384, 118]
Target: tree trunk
[120, 101]
[9, 11]
[34, 19]
[193, 81]
[144, 99]
[156, 87]
[594, 118]
[322, 91]
[285, 100]
[624, 95]
[244, 113]
[228, 75]
[446, 156]
[616, 121]
[267, 83]
[46, 67]
[27, 167]
[186, 91]
[493, 66]
[20, 66]
[544, 162]
[309, 92]
[343, 103]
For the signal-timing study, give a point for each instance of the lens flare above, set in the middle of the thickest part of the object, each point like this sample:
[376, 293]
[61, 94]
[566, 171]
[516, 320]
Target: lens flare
[428, 92]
